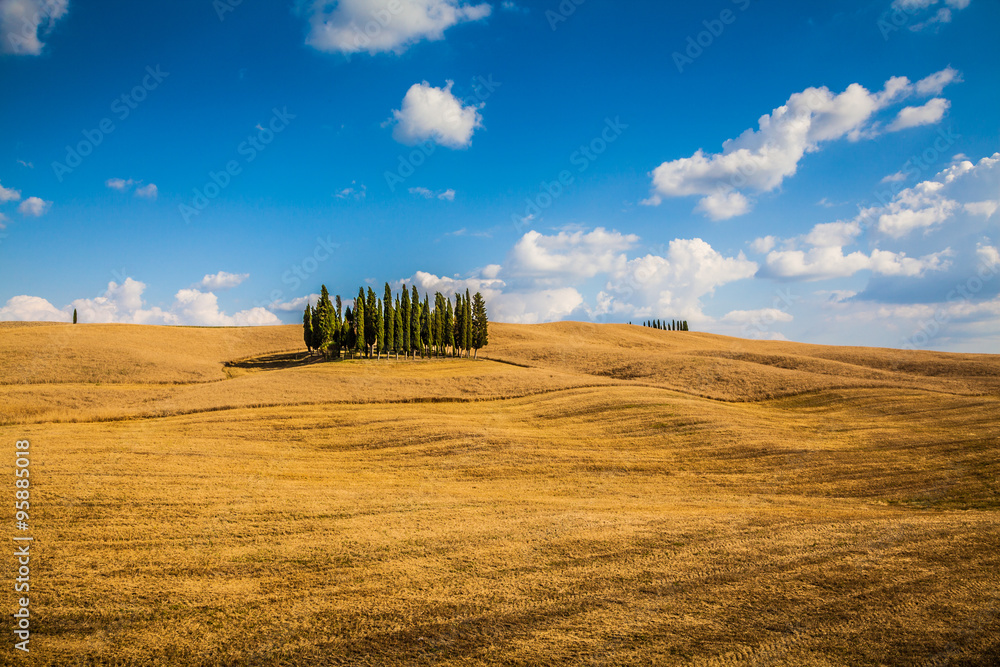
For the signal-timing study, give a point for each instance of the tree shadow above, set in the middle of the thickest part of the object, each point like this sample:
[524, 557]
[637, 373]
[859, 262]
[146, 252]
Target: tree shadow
[277, 362]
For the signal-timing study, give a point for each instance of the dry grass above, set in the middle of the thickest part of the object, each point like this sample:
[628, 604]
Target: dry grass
[569, 523]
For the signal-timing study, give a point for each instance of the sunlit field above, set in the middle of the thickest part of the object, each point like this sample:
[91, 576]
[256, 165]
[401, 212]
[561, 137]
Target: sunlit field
[579, 495]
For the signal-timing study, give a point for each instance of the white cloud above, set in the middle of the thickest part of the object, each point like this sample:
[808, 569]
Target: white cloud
[124, 303]
[9, 194]
[983, 208]
[34, 207]
[147, 191]
[935, 83]
[295, 305]
[3, 221]
[355, 191]
[31, 309]
[824, 262]
[674, 284]
[22, 20]
[755, 316]
[763, 244]
[222, 280]
[434, 114]
[833, 234]
[930, 203]
[927, 114]
[569, 256]
[381, 26]
[759, 160]
[119, 183]
[444, 195]
[722, 206]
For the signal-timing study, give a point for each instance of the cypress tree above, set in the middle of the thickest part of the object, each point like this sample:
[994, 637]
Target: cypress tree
[459, 319]
[467, 338]
[307, 327]
[414, 320]
[425, 325]
[373, 323]
[324, 334]
[316, 341]
[399, 327]
[449, 326]
[349, 336]
[480, 324]
[338, 327]
[389, 315]
[359, 320]
[74, 316]
[404, 327]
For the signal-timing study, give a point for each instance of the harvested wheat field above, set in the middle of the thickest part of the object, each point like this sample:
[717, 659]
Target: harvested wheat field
[580, 495]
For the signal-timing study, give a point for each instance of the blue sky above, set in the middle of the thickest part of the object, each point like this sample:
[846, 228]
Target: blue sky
[818, 172]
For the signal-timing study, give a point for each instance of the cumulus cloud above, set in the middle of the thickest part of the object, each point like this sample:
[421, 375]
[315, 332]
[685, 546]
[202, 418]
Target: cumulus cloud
[434, 114]
[569, 256]
[25, 308]
[673, 283]
[759, 160]
[222, 280]
[932, 202]
[295, 305]
[147, 191]
[9, 194]
[123, 302]
[825, 262]
[34, 207]
[927, 114]
[917, 8]
[382, 26]
[21, 22]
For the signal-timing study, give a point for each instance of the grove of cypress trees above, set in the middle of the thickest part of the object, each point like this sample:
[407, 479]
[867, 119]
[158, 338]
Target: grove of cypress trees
[480, 324]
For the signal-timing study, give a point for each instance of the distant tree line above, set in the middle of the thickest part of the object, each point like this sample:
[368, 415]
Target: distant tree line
[672, 325]
[399, 324]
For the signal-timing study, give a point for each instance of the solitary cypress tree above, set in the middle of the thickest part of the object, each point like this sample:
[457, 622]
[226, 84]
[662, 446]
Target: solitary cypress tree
[480, 324]
[389, 316]
[74, 316]
[404, 327]
[307, 327]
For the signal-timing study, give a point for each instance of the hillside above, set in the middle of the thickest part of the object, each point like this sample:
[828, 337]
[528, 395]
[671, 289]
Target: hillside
[589, 494]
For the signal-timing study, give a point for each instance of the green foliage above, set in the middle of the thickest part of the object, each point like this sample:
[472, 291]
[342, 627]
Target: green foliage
[480, 324]
[404, 327]
[307, 327]
[359, 320]
[389, 321]
[74, 316]
[415, 320]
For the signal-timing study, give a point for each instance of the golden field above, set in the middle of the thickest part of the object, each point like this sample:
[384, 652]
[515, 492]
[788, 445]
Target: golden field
[588, 495]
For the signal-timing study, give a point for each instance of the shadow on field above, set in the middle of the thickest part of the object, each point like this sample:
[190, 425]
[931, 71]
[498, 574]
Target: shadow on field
[277, 362]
